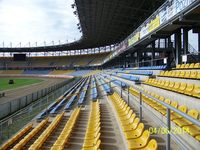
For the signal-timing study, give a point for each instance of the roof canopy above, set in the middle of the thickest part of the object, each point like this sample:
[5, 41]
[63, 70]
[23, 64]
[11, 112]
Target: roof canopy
[103, 22]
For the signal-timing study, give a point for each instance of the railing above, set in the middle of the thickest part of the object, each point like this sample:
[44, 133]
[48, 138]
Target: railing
[12, 124]
[169, 109]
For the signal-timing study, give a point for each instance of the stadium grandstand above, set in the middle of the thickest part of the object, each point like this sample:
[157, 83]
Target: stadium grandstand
[132, 81]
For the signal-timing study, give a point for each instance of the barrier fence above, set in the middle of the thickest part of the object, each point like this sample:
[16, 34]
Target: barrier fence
[12, 124]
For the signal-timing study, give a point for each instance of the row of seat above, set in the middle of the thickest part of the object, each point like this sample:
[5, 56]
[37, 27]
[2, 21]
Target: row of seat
[67, 130]
[119, 83]
[181, 74]
[189, 127]
[162, 67]
[188, 66]
[105, 85]
[30, 135]
[179, 87]
[16, 137]
[83, 93]
[94, 90]
[137, 137]
[126, 76]
[45, 134]
[137, 72]
[92, 136]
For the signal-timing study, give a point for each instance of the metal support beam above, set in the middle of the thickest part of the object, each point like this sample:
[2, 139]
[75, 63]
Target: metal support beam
[153, 54]
[140, 106]
[169, 129]
[178, 46]
[185, 40]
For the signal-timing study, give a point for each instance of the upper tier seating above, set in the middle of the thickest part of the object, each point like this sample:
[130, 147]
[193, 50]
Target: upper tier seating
[137, 137]
[188, 66]
[61, 72]
[181, 74]
[43, 72]
[11, 72]
[80, 72]
[179, 87]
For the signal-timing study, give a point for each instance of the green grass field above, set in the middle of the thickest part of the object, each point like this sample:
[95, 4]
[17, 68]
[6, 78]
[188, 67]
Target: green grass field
[18, 82]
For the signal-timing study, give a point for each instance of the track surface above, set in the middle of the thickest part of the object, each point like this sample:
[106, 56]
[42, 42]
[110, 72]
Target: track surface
[25, 90]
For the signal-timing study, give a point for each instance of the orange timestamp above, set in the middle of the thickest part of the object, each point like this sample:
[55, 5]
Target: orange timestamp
[164, 130]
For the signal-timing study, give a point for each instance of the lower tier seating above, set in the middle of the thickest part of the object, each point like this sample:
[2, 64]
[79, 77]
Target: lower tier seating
[179, 87]
[66, 132]
[189, 127]
[92, 136]
[23, 132]
[137, 137]
[42, 138]
[28, 137]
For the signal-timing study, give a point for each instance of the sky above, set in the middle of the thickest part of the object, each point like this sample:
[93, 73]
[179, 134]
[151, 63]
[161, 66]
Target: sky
[37, 21]
[42, 20]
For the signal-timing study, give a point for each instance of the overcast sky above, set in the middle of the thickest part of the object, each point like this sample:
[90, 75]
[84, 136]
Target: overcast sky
[37, 20]
[41, 20]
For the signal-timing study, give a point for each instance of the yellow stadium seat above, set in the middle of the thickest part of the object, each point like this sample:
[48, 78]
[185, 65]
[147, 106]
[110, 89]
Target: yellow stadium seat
[183, 122]
[187, 66]
[196, 91]
[162, 73]
[166, 84]
[174, 115]
[132, 126]
[193, 130]
[169, 73]
[187, 74]
[197, 65]
[166, 73]
[193, 74]
[191, 65]
[182, 66]
[189, 89]
[171, 85]
[182, 74]
[152, 145]
[95, 147]
[177, 74]
[182, 87]
[174, 104]
[178, 66]
[135, 133]
[173, 73]
[197, 137]
[176, 86]
[198, 75]
[140, 142]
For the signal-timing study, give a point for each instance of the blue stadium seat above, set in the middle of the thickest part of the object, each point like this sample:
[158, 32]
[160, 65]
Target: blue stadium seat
[70, 102]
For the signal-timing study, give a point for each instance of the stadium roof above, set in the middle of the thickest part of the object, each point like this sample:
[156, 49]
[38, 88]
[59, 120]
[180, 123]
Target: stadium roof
[103, 22]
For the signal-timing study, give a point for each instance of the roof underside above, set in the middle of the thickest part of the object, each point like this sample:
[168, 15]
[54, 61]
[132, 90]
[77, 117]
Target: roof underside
[104, 22]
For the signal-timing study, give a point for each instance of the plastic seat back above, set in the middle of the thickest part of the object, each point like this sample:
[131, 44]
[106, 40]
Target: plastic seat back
[183, 108]
[174, 104]
[152, 145]
[193, 113]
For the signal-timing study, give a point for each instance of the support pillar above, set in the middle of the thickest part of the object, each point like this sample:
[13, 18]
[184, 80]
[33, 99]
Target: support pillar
[178, 47]
[199, 45]
[138, 57]
[153, 54]
[185, 40]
